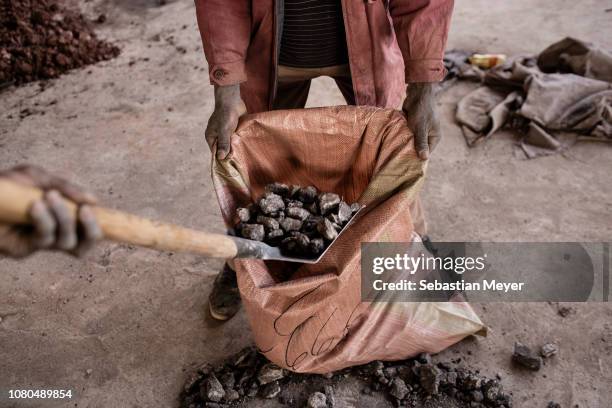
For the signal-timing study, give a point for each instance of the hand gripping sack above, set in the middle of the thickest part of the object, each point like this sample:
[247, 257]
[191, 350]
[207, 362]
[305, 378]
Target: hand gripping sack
[310, 318]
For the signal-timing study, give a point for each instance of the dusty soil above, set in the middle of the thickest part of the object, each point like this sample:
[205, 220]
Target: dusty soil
[132, 130]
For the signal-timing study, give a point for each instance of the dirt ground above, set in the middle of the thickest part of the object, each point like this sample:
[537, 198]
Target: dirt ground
[132, 130]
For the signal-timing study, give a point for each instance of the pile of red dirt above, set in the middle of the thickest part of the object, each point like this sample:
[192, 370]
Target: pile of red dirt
[41, 39]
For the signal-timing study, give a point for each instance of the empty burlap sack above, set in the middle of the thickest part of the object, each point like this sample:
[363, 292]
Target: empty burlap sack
[310, 318]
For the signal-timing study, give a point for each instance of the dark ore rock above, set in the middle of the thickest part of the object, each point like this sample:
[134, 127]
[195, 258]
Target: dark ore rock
[307, 194]
[291, 224]
[278, 188]
[326, 229]
[255, 232]
[525, 357]
[271, 203]
[328, 202]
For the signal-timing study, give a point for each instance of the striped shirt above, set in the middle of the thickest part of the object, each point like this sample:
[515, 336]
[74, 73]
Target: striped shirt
[313, 34]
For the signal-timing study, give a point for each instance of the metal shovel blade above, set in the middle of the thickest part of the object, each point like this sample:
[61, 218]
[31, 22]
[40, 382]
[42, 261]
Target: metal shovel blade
[255, 249]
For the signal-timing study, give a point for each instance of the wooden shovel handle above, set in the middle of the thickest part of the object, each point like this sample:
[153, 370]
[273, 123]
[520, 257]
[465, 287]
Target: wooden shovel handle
[16, 200]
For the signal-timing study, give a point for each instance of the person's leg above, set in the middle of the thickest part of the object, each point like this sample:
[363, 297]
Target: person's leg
[345, 84]
[291, 94]
[224, 299]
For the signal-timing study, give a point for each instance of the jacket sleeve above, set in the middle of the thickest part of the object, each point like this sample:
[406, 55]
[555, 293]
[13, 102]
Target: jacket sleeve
[421, 28]
[225, 27]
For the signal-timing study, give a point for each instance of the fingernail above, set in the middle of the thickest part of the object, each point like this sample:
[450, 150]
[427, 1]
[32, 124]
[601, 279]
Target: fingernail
[424, 154]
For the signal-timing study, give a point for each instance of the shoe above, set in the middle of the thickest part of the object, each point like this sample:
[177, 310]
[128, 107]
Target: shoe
[224, 300]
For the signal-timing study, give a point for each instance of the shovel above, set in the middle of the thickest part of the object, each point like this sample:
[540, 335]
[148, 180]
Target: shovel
[16, 200]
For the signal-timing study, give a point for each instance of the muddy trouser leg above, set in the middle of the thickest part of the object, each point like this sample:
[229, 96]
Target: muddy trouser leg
[291, 94]
[345, 84]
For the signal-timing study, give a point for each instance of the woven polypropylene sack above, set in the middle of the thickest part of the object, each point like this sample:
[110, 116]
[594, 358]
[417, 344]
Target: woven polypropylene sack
[310, 318]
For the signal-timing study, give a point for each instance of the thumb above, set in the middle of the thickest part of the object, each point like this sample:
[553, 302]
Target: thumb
[223, 144]
[421, 143]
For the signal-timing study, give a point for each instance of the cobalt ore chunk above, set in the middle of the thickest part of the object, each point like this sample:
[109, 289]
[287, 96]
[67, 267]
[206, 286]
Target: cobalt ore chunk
[289, 245]
[249, 374]
[307, 194]
[296, 212]
[326, 229]
[316, 246]
[269, 223]
[398, 388]
[270, 372]
[271, 203]
[301, 220]
[278, 188]
[429, 376]
[317, 400]
[549, 350]
[344, 212]
[243, 214]
[270, 390]
[212, 390]
[255, 232]
[293, 190]
[525, 357]
[303, 242]
[328, 202]
[291, 224]
[274, 237]
[313, 208]
[293, 203]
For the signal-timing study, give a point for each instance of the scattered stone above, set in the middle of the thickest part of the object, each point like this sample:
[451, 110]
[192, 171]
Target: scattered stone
[564, 311]
[232, 395]
[553, 404]
[398, 388]
[270, 372]
[329, 394]
[549, 350]
[270, 390]
[429, 376]
[409, 383]
[211, 389]
[317, 400]
[525, 357]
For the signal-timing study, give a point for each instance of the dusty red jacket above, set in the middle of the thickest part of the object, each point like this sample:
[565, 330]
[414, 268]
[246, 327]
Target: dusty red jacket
[390, 43]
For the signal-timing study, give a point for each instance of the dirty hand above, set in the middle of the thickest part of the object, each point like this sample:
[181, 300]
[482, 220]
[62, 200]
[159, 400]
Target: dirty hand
[420, 109]
[53, 226]
[224, 119]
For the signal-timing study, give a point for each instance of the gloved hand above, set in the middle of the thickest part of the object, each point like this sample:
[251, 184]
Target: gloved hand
[224, 119]
[53, 225]
[420, 109]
